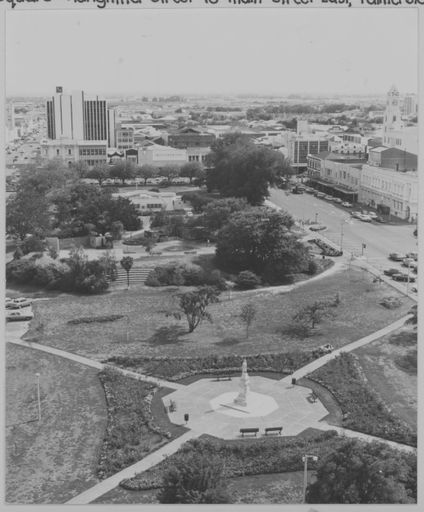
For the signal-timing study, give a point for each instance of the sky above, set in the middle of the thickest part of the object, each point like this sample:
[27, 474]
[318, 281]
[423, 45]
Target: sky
[227, 51]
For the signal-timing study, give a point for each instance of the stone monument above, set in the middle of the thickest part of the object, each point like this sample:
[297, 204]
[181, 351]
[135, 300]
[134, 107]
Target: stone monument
[241, 398]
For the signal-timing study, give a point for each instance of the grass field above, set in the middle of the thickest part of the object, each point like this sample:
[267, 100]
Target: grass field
[146, 331]
[55, 459]
[395, 383]
[259, 489]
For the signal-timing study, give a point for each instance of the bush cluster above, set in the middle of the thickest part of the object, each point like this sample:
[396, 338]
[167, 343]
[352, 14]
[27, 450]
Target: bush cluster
[179, 368]
[362, 407]
[176, 274]
[258, 456]
[247, 280]
[89, 277]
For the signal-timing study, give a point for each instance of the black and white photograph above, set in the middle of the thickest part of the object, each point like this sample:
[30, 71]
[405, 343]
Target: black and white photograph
[211, 257]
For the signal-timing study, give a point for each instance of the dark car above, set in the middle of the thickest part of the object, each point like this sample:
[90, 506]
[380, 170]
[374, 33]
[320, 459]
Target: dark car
[391, 271]
[380, 220]
[403, 277]
[396, 256]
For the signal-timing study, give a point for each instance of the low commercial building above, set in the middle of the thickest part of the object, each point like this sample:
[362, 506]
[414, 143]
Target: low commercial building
[190, 137]
[389, 191]
[153, 201]
[337, 174]
[156, 155]
[93, 152]
[393, 158]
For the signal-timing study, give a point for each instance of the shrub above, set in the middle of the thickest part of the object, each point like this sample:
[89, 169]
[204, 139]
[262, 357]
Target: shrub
[184, 275]
[33, 244]
[312, 267]
[247, 280]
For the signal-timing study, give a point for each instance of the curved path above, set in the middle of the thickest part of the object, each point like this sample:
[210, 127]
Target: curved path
[171, 447]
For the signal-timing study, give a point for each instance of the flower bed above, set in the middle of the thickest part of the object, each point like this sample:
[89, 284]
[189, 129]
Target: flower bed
[363, 410]
[90, 319]
[255, 457]
[131, 433]
[175, 369]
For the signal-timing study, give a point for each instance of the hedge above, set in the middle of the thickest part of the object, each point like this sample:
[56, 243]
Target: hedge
[175, 369]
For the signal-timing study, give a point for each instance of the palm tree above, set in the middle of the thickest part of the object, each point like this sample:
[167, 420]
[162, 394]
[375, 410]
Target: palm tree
[126, 264]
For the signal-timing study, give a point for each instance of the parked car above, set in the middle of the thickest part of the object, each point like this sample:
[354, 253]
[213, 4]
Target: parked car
[327, 197]
[401, 276]
[320, 195]
[390, 271]
[356, 214]
[396, 256]
[409, 262]
[346, 204]
[415, 289]
[337, 200]
[15, 316]
[21, 302]
[317, 227]
[413, 255]
[364, 217]
[380, 220]
[373, 215]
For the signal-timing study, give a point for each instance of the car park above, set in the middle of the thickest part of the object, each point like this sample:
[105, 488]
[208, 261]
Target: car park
[396, 256]
[15, 316]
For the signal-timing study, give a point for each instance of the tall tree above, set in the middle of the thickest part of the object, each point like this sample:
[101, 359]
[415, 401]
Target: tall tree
[127, 263]
[365, 473]
[192, 170]
[247, 314]
[123, 171]
[194, 305]
[99, 172]
[146, 172]
[260, 240]
[240, 168]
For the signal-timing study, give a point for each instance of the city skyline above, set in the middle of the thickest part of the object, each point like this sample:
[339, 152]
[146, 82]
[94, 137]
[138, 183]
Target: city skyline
[263, 52]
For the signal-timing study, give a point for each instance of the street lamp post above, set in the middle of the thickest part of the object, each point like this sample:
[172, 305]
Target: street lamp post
[38, 396]
[316, 218]
[305, 472]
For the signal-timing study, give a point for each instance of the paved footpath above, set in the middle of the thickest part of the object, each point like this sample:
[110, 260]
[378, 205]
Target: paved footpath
[95, 364]
[309, 368]
[143, 465]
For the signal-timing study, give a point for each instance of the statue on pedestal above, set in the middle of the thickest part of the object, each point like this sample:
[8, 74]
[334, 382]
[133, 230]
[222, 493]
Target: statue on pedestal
[241, 398]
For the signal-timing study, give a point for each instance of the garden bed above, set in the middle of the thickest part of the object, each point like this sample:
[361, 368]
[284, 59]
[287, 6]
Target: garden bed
[132, 432]
[362, 407]
[178, 369]
[241, 458]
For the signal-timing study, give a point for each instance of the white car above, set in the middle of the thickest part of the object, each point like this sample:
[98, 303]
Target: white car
[346, 204]
[337, 200]
[21, 302]
[373, 215]
[364, 217]
[16, 316]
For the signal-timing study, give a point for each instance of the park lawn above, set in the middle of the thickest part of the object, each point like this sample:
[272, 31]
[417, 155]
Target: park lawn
[271, 488]
[55, 459]
[149, 332]
[395, 383]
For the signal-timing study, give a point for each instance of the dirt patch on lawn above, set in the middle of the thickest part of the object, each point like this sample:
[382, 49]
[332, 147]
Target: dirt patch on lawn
[51, 460]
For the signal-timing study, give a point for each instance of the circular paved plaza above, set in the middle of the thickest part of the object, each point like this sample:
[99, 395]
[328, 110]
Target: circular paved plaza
[270, 403]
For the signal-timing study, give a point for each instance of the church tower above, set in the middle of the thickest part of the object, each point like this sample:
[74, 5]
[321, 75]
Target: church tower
[392, 115]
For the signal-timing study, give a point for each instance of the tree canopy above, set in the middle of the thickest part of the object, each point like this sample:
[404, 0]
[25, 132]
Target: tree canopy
[260, 240]
[240, 168]
[360, 472]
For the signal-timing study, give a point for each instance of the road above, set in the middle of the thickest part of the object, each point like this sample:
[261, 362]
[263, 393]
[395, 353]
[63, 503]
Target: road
[380, 239]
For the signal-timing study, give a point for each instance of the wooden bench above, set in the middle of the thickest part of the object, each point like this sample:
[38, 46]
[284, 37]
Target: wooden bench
[223, 377]
[248, 431]
[273, 430]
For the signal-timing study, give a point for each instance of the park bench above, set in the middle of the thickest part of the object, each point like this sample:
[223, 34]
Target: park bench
[312, 397]
[244, 431]
[273, 430]
[223, 377]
